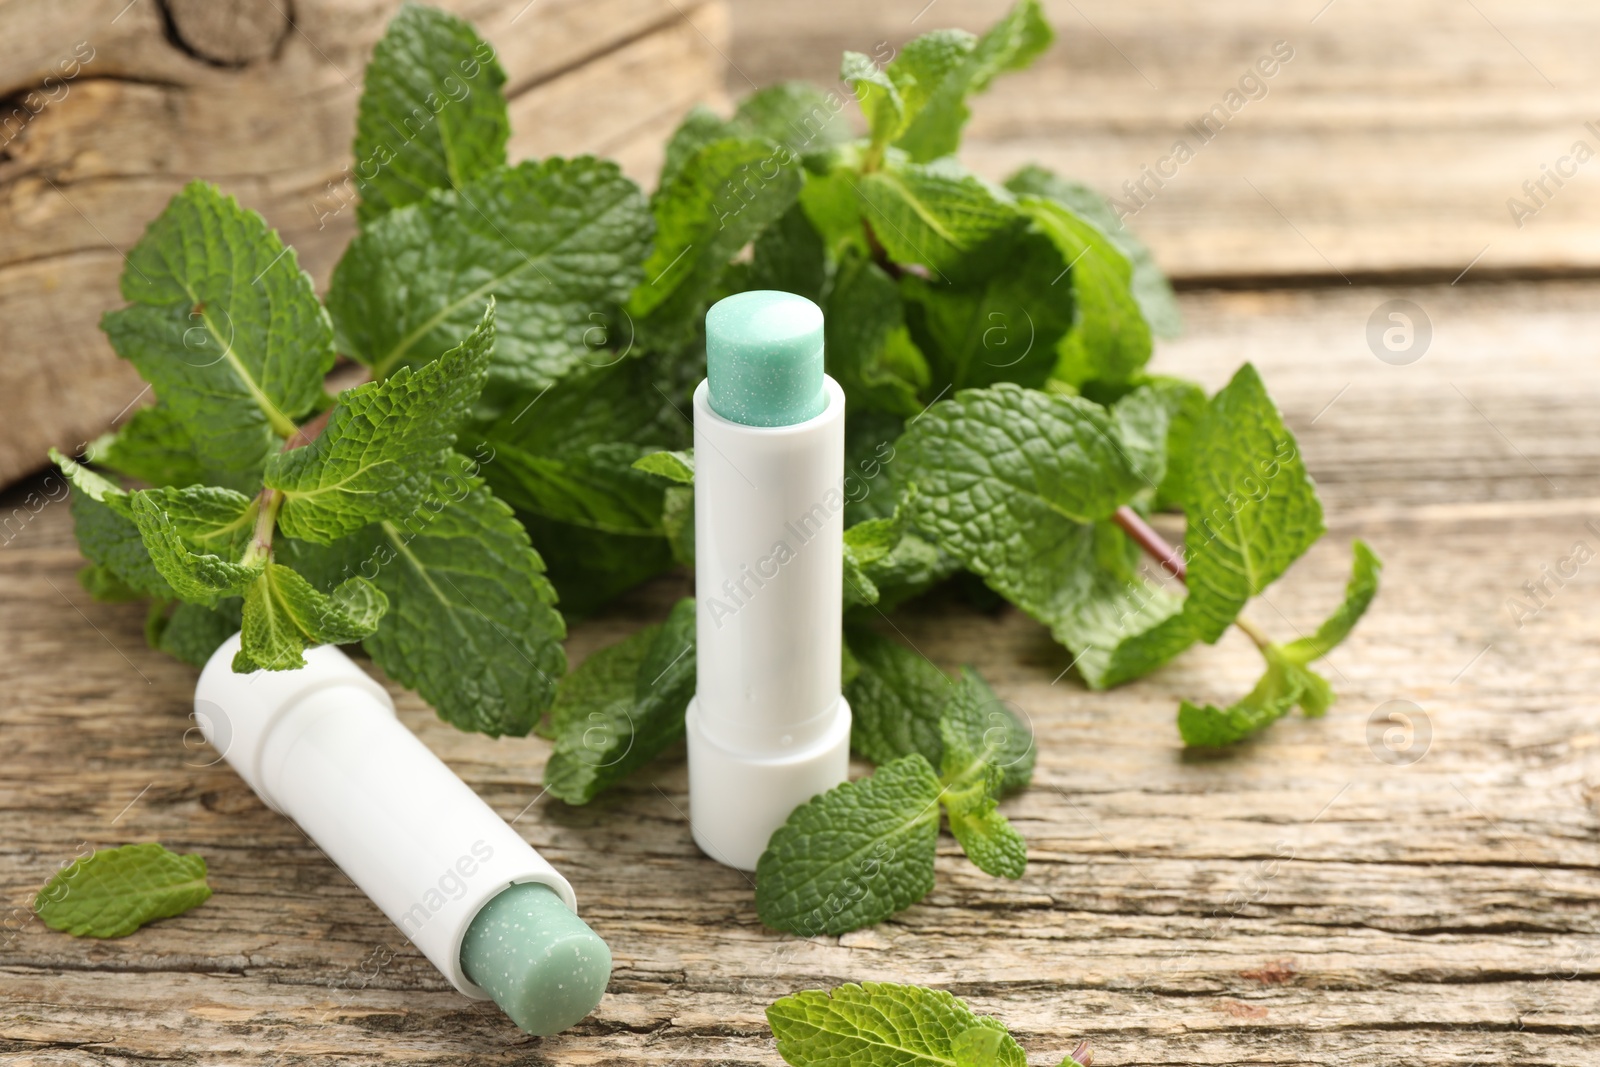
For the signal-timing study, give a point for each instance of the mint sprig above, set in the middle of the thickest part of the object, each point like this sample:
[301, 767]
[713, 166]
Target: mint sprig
[113, 891]
[865, 849]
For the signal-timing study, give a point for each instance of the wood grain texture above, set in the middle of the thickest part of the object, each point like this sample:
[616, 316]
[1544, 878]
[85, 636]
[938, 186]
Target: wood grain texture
[1389, 144]
[162, 93]
[1297, 901]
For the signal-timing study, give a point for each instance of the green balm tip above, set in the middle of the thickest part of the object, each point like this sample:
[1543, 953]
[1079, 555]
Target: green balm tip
[540, 962]
[764, 358]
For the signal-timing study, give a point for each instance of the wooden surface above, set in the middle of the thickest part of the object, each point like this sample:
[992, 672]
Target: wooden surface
[239, 95]
[1299, 901]
[1295, 902]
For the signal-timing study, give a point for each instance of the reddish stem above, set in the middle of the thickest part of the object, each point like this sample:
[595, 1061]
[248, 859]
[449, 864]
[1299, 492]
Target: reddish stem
[1145, 536]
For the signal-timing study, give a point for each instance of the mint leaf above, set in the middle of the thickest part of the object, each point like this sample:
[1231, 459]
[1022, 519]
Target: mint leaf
[868, 349]
[878, 96]
[103, 583]
[1010, 44]
[1109, 340]
[868, 547]
[284, 615]
[973, 781]
[987, 1045]
[1288, 680]
[895, 700]
[725, 195]
[111, 540]
[471, 624]
[431, 114]
[381, 443]
[554, 242]
[998, 323]
[1251, 507]
[1150, 287]
[153, 446]
[1358, 594]
[1005, 472]
[1284, 685]
[207, 517]
[989, 732]
[1017, 485]
[879, 1023]
[569, 453]
[854, 855]
[193, 631]
[114, 891]
[673, 466]
[198, 577]
[599, 691]
[624, 710]
[932, 215]
[226, 326]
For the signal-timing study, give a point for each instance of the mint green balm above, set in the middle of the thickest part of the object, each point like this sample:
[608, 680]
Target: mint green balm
[540, 962]
[764, 358]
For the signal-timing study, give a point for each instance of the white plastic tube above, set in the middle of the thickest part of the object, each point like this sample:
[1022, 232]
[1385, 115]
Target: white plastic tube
[768, 728]
[322, 746]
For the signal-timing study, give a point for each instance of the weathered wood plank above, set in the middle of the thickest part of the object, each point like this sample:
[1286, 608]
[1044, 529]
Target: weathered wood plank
[1296, 902]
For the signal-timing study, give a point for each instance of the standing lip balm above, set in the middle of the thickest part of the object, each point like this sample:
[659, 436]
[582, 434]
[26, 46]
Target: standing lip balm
[322, 745]
[768, 727]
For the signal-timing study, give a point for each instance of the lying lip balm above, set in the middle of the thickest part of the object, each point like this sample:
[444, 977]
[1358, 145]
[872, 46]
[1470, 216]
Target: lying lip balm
[322, 745]
[768, 728]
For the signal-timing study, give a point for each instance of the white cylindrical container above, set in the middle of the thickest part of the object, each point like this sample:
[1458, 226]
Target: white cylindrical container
[768, 728]
[322, 745]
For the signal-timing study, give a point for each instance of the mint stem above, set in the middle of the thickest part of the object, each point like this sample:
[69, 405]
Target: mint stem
[1145, 536]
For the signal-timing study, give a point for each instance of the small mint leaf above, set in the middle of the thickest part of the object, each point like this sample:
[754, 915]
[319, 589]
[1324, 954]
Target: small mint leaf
[1358, 594]
[895, 700]
[1252, 509]
[876, 92]
[1109, 340]
[987, 1044]
[878, 1023]
[284, 615]
[198, 577]
[1284, 685]
[990, 733]
[431, 114]
[114, 891]
[971, 794]
[617, 715]
[854, 855]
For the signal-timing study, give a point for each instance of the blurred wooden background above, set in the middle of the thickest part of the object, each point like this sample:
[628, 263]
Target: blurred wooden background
[1347, 892]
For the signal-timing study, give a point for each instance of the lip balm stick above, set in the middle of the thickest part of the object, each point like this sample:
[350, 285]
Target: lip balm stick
[768, 728]
[322, 745]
